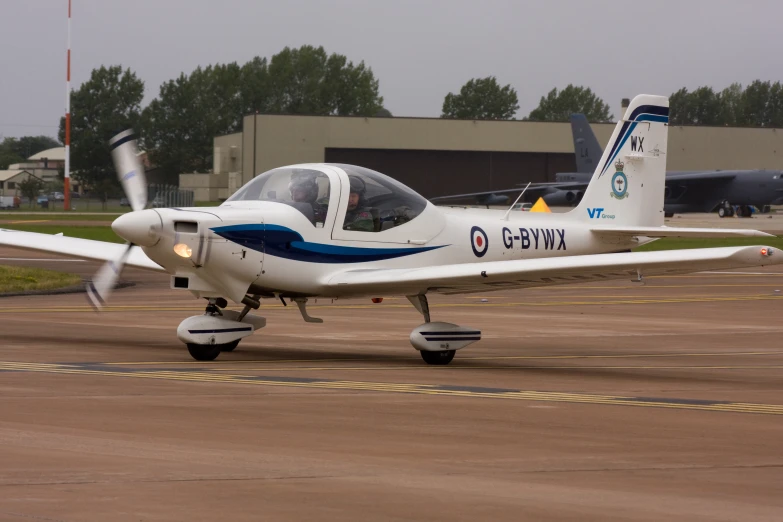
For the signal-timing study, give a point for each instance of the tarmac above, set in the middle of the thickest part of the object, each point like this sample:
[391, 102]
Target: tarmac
[603, 401]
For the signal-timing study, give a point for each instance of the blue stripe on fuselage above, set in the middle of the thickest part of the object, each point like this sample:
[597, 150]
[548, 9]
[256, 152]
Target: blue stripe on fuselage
[280, 241]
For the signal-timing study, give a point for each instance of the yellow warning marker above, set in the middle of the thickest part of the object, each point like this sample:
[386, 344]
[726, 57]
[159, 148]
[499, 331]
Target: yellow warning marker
[540, 206]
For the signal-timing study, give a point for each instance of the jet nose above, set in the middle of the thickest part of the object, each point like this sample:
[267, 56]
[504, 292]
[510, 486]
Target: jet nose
[140, 228]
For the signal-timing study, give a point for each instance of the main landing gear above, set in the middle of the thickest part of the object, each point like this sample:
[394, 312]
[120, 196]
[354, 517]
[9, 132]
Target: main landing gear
[218, 330]
[438, 342]
[726, 209]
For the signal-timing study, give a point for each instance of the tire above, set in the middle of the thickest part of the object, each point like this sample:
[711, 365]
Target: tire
[204, 352]
[229, 347]
[722, 212]
[438, 358]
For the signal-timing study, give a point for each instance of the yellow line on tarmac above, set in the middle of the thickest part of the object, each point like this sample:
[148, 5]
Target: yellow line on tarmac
[29, 221]
[671, 300]
[486, 367]
[479, 358]
[433, 389]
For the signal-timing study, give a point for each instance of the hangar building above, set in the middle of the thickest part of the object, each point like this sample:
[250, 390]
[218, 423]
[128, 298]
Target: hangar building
[437, 156]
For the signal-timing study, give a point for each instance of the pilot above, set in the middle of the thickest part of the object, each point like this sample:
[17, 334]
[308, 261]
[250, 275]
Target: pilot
[304, 189]
[359, 215]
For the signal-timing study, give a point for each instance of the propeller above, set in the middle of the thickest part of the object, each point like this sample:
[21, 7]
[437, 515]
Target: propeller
[130, 172]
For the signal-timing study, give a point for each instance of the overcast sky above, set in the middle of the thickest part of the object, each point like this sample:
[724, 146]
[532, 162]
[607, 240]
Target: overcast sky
[419, 49]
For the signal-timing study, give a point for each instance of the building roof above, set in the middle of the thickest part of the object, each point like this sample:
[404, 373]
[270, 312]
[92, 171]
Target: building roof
[5, 175]
[55, 154]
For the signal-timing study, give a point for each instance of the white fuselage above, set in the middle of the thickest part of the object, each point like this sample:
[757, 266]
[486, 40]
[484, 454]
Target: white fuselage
[271, 249]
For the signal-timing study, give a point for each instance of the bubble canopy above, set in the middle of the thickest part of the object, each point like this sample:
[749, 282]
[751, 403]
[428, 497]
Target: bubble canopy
[376, 202]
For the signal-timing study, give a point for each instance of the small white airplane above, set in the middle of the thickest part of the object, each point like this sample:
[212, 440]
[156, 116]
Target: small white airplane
[342, 231]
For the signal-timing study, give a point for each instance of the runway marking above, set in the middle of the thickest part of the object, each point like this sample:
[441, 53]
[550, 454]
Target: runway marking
[738, 274]
[486, 367]
[404, 388]
[29, 221]
[41, 259]
[539, 304]
[479, 358]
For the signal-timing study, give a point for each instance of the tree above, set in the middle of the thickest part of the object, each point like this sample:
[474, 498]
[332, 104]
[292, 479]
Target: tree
[760, 104]
[559, 106]
[383, 113]
[700, 107]
[30, 188]
[308, 81]
[732, 111]
[108, 103]
[181, 123]
[189, 112]
[17, 150]
[481, 99]
[8, 156]
[254, 94]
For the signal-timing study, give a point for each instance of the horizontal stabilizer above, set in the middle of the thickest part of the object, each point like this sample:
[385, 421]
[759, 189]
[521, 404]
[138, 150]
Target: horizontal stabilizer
[679, 232]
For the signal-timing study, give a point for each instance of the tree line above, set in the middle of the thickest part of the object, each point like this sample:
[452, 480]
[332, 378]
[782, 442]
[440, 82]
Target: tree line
[760, 104]
[177, 128]
[17, 150]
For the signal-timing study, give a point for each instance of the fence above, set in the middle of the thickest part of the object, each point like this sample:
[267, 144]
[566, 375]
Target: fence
[166, 196]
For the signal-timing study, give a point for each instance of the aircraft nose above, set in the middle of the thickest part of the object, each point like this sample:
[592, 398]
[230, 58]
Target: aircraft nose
[140, 228]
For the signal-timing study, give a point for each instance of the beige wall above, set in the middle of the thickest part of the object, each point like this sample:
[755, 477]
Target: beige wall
[284, 140]
[227, 153]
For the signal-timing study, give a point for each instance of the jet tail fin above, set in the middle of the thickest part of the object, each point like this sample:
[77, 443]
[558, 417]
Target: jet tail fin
[628, 184]
[586, 146]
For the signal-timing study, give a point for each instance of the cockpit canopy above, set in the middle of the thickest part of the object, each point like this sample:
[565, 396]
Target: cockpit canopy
[375, 202]
[307, 190]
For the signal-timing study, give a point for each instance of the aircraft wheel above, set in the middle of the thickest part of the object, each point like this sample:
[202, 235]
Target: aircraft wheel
[722, 212]
[204, 352]
[438, 358]
[229, 347]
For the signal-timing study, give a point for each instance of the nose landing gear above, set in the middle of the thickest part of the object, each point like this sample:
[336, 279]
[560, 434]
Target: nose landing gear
[217, 330]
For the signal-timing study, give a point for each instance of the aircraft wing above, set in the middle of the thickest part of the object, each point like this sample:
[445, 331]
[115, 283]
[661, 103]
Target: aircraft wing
[708, 175]
[678, 232]
[526, 273]
[76, 247]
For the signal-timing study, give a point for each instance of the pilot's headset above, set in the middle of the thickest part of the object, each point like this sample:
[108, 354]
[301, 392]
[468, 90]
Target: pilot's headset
[358, 187]
[304, 181]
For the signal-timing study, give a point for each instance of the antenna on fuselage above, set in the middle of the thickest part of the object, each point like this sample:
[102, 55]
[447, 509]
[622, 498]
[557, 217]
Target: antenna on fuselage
[505, 216]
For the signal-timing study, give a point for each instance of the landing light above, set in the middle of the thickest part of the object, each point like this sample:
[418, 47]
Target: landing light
[766, 251]
[183, 250]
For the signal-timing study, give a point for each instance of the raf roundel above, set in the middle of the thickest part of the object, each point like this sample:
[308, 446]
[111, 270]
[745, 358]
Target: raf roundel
[478, 241]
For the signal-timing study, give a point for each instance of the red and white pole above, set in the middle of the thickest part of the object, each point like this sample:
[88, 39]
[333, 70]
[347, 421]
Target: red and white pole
[67, 181]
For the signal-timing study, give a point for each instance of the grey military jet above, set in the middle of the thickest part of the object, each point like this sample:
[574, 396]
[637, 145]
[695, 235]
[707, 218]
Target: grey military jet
[724, 191]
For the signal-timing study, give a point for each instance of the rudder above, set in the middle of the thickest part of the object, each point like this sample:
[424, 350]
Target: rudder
[627, 187]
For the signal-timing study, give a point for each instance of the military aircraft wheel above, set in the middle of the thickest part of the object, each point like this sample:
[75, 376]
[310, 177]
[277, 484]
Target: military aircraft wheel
[229, 347]
[204, 352]
[438, 358]
[722, 212]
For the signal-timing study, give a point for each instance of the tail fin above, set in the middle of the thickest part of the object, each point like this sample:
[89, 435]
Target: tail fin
[586, 147]
[628, 183]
